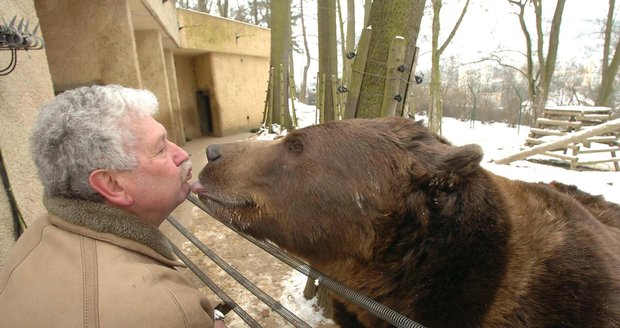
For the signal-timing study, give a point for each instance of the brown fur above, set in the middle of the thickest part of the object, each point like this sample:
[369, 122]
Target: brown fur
[402, 216]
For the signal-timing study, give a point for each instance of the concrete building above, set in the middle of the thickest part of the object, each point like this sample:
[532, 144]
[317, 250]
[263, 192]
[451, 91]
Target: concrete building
[208, 73]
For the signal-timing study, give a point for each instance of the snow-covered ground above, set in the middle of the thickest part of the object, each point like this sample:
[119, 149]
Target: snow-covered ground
[497, 140]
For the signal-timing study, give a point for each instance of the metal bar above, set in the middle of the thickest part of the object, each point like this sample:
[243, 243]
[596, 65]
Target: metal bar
[372, 306]
[215, 288]
[273, 304]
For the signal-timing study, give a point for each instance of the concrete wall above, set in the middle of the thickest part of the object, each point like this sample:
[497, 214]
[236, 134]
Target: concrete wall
[186, 80]
[87, 43]
[22, 93]
[165, 14]
[175, 109]
[216, 34]
[155, 79]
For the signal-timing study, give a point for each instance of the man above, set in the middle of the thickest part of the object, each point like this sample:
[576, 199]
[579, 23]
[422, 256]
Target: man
[98, 259]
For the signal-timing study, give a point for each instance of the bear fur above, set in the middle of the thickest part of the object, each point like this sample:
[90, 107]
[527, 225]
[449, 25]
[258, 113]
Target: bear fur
[411, 221]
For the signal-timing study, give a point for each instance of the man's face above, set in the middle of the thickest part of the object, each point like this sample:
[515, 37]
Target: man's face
[159, 183]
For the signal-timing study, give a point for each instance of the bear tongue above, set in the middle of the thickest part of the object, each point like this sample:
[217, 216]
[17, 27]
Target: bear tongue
[198, 187]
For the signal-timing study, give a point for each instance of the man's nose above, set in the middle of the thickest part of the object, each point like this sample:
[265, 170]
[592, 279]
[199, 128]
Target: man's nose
[213, 152]
[180, 154]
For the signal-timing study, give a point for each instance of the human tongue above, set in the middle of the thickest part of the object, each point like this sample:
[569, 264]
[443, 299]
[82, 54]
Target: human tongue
[198, 187]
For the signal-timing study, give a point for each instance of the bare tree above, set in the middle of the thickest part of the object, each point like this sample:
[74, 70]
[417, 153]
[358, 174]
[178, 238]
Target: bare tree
[436, 109]
[303, 97]
[328, 52]
[540, 73]
[609, 70]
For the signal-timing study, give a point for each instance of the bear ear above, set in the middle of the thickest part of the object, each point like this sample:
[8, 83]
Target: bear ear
[462, 160]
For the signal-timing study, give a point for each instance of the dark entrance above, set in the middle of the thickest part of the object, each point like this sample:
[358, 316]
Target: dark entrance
[204, 113]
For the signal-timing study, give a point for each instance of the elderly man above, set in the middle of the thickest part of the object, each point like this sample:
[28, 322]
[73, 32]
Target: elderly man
[98, 259]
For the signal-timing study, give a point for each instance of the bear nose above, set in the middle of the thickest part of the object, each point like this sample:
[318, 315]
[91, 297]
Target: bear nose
[213, 152]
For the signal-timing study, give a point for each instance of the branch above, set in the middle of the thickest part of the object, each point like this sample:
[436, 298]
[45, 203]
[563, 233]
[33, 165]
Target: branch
[456, 26]
[498, 60]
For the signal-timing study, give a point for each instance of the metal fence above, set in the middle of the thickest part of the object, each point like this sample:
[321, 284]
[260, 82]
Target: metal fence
[378, 309]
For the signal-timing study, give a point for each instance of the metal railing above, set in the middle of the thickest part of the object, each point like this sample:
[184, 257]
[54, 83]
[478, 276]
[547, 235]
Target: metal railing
[395, 318]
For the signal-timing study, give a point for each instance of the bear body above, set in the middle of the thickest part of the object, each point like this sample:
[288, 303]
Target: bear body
[406, 218]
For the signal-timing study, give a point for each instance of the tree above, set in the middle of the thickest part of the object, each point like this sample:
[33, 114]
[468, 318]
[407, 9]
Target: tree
[388, 20]
[222, 8]
[280, 51]
[328, 52]
[436, 107]
[540, 73]
[303, 94]
[609, 70]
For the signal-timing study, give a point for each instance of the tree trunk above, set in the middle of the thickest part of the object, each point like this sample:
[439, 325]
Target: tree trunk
[280, 49]
[388, 19]
[222, 8]
[303, 97]
[436, 106]
[328, 60]
[435, 112]
[609, 69]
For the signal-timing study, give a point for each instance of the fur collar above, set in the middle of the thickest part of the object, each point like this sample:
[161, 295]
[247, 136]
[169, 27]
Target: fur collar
[104, 218]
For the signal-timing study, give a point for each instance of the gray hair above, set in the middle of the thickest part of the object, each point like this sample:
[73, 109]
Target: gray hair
[82, 130]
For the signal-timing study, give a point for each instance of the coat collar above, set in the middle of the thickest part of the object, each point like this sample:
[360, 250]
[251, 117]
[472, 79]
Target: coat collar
[104, 220]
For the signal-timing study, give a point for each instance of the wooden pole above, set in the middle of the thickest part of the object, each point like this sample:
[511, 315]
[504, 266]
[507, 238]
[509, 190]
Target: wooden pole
[334, 83]
[293, 92]
[282, 98]
[317, 99]
[393, 77]
[408, 101]
[357, 73]
[271, 86]
[322, 117]
[563, 141]
[267, 99]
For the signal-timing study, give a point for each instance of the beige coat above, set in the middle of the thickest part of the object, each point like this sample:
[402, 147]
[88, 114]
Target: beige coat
[91, 265]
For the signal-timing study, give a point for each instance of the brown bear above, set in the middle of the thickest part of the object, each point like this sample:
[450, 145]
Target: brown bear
[404, 217]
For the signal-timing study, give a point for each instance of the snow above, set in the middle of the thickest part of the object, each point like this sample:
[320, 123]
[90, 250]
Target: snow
[497, 140]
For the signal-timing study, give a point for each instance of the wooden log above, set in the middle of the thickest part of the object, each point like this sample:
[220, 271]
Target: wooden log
[562, 142]
[546, 132]
[546, 121]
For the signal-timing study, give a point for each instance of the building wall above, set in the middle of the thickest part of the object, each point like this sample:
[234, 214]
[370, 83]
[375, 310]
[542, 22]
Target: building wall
[166, 15]
[155, 78]
[239, 85]
[22, 93]
[186, 80]
[221, 35]
[175, 109]
[89, 43]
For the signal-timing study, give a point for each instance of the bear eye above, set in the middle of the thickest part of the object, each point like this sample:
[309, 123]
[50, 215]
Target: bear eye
[295, 146]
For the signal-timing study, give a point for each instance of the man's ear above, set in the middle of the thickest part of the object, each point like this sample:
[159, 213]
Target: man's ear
[107, 184]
